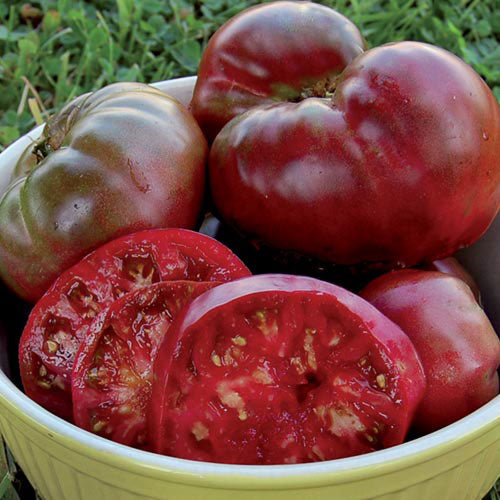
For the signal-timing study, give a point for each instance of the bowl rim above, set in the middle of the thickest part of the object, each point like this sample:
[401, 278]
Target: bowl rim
[228, 476]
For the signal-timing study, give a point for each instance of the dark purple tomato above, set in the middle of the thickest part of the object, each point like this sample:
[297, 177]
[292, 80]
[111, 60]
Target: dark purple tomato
[459, 349]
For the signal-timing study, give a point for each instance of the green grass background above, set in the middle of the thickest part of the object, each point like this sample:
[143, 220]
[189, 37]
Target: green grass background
[54, 50]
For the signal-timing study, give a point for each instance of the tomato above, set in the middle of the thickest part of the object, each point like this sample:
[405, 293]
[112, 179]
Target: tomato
[452, 266]
[399, 166]
[113, 369]
[122, 159]
[263, 259]
[282, 369]
[273, 52]
[61, 318]
[459, 349]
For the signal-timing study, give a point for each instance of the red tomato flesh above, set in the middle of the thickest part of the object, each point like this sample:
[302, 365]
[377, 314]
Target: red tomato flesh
[61, 318]
[113, 369]
[278, 369]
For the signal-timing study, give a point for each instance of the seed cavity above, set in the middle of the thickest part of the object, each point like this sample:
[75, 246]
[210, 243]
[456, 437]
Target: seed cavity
[141, 268]
[83, 300]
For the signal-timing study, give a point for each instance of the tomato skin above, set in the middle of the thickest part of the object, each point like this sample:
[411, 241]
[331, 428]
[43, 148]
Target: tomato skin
[459, 349]
[61, 319]
[113, 369]
[248, 370]
[452, 266]
[353, 185]
[268, 53]
[122, 159]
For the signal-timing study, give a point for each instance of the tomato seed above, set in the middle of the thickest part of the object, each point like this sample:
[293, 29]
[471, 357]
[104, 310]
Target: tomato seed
[59, 382]
[308, 347]
[216, 359]
[262, 376]
[199, 431]
[124, 410]
[297, 363]
[317, 451]
[239, 340]
[52, 346]
[42, 371]
[99, 426]
[370, 438]
[381, 380]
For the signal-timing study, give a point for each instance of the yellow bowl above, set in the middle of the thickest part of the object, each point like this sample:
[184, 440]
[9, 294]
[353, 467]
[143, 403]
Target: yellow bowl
[461, 461]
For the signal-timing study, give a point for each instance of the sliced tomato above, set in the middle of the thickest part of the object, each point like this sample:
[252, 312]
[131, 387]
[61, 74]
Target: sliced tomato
[61, 318]
[277, 369]
[112, 375]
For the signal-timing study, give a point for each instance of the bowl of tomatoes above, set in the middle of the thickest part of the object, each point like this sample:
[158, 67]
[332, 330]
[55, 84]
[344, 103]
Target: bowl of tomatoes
[254, 281]
[65, 461]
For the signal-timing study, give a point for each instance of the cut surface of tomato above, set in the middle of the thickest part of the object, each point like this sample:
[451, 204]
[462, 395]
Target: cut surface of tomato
[61, 318]
[276, 369]
[113, 369]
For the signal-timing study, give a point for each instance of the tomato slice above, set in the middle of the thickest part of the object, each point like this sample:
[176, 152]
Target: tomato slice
[61, 318]
[277, 369]
[112, 375]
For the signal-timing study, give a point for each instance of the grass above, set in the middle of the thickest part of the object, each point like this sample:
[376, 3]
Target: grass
[54, 50]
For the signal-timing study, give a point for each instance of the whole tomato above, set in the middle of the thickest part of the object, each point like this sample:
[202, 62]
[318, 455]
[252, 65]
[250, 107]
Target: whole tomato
[280, 51]
[459, 349]
[399, 165]
[125, 158]
[452, 266]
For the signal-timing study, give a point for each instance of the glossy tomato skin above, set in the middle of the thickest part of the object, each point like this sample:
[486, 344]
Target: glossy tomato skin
[282, 369]
[451, 265]
[272, 52]
[123, 159]
[61, 319]
[113, 370]
[399, 166]
[459, 349]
